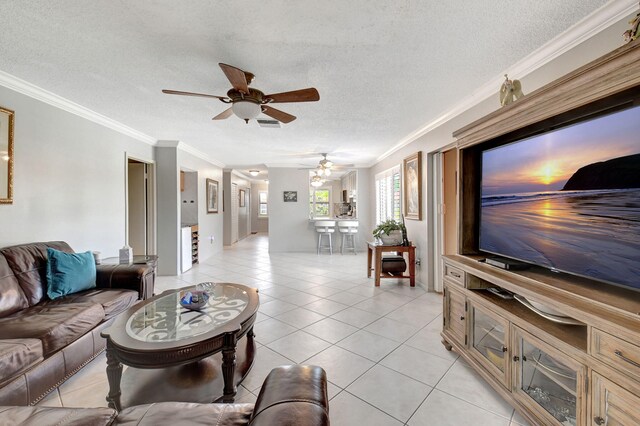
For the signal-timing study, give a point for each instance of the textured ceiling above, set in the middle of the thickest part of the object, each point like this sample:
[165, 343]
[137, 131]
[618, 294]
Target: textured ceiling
[383, 68]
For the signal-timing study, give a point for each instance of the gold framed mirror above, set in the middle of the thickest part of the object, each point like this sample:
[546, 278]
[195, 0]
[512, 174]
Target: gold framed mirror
[6, 156]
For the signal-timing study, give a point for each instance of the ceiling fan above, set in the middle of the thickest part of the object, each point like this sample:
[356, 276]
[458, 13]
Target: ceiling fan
[247, 102]
[325, 166]
[324, 169]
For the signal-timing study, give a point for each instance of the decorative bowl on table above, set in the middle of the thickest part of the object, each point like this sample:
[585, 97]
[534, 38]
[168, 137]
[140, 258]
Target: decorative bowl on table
[194, 299]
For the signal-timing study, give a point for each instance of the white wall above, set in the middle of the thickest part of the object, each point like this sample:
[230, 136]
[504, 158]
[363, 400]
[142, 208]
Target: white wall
[364, 208]
[258, 224]
[69, 178]
[168, 199]
[289, 226]
[441, 136]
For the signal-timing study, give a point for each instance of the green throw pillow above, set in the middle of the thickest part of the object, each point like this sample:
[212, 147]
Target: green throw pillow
[69, 273]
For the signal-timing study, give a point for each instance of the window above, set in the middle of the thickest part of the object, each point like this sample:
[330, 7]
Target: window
[388, 195]
[262, 203]
[319, 202]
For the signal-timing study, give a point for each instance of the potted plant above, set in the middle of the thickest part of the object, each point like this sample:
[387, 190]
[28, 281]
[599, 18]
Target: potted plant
[389, 232]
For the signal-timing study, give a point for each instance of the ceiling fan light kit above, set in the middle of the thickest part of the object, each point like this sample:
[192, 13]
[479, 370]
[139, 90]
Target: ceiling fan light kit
[247, 110]
[247, 103]
[317, 181]
[324, 166]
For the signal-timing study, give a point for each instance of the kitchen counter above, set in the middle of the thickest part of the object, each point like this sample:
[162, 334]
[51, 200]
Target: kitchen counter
[355, 219]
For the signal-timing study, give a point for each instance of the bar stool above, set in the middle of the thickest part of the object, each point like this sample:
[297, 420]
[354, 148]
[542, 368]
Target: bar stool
[325, 227]
[348, 230]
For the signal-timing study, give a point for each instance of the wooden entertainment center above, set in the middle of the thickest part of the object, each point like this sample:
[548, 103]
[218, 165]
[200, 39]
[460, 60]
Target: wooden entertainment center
[552, 373]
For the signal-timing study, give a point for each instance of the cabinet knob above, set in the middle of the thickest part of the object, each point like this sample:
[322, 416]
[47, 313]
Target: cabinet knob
[461, 318]
[504, 349]
[516, 358]
[598, 420]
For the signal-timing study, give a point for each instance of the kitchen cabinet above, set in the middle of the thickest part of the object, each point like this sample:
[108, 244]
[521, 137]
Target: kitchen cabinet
[349, 184]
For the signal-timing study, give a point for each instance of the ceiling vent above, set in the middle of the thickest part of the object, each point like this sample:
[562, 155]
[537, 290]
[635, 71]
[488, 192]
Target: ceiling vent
[268, 123]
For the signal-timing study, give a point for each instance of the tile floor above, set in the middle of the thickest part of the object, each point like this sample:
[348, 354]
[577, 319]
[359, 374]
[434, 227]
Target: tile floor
[380, 346]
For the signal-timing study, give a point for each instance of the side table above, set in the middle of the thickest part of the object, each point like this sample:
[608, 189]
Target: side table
[374, 252]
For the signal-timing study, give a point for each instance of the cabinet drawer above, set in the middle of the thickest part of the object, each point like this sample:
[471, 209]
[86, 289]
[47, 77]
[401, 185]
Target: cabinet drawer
[454, 274]
[618, 353]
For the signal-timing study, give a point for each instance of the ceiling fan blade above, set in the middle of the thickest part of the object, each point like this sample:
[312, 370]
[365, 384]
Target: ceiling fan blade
[302, 95]
[177, 92]
[224, 114]
[277, 114]
[236, 77]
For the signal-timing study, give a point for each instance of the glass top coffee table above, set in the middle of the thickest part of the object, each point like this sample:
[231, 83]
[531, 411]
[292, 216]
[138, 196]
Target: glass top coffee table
[176, 354]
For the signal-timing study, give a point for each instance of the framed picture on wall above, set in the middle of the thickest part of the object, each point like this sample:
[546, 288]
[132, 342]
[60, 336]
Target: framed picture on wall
[242, 197]
[212, 196]
[412, 186]
[6, 156]
[290, 196]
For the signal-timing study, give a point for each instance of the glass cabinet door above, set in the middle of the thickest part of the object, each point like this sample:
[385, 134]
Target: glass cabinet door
[489, 338]
[548, 380]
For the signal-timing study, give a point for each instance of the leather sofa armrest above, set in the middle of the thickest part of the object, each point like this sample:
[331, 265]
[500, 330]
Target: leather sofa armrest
[140, 278]
[294, 395]
[50, 416]
[185, 413]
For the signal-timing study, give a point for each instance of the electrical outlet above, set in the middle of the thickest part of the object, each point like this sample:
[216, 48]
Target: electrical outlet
[418, 262]
[211, 238]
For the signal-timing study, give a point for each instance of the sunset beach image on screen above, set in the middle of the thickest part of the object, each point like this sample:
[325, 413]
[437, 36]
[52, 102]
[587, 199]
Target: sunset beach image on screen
[568, 199]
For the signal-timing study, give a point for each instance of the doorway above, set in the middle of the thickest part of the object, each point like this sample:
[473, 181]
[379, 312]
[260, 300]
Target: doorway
[140, 206]
[444, 201]
[235, 201]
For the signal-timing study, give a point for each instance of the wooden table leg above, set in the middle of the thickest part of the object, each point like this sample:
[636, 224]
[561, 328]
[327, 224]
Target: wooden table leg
[251, 346]
[228, 371]
[412, 267]
[114, 375]
[378, 269]
[368, 262]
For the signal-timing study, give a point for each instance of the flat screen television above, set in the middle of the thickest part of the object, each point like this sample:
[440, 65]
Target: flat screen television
[568, 199]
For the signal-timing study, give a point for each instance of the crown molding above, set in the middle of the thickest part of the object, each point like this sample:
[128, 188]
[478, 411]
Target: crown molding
[189, 150]
[201, 155]
[600, 19]
[167, 144]
[24, 87]
[283, 165]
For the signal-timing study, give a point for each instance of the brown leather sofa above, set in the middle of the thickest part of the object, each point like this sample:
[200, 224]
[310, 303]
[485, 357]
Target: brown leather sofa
[290, 396]
[43, 342]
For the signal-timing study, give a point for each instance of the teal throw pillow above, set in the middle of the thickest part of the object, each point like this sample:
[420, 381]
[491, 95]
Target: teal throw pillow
[69, 273]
